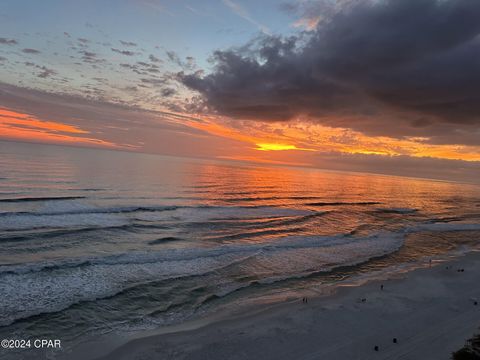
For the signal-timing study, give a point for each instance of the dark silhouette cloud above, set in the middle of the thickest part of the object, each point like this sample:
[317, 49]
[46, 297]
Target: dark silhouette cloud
[156, 81]
[134, 68]
[127, 43]
[5, 41]
[393, 67]
[31, 51]
[123, 52]
[90, 57]
[45, 72]
[174, 58]
[167, 92]
[153, 58]
[142, 68]
[187, 64]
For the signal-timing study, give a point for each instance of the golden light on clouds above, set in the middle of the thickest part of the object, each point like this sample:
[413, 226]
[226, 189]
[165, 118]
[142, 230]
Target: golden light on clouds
[274, 142]
[25, 127]
[275, 147]
[304, 136]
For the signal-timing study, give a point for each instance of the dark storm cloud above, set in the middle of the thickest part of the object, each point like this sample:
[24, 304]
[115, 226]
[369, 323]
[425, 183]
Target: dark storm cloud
[392, 67]
[5, 41]
[312, 12]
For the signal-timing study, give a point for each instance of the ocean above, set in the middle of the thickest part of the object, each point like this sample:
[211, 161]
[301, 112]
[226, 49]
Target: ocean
[100, 242]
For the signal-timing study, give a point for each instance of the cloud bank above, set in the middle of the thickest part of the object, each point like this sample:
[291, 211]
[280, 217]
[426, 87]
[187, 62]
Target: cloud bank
[399, 68]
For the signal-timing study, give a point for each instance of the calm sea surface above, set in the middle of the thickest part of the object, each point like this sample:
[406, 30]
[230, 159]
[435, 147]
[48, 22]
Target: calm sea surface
[98, 242]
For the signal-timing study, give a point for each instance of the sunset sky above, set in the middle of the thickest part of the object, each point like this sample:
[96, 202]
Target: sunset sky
[386, 86]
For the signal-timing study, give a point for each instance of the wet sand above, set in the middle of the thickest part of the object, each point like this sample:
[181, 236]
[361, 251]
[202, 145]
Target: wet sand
[430, 311]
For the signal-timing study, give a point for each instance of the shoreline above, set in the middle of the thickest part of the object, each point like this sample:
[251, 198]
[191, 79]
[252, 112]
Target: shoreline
[430, 311]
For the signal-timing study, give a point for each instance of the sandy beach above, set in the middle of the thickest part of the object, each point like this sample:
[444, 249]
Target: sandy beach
[429, 311]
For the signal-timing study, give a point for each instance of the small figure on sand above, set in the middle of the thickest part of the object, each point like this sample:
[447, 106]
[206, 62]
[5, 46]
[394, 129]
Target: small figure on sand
[305, 300]
[375, 348]
[381, 287]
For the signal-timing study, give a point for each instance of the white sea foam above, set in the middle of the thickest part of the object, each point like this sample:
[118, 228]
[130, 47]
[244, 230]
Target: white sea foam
[52, 286]
[205, 213]
[46, 287]
[65, 214]
[68, 214]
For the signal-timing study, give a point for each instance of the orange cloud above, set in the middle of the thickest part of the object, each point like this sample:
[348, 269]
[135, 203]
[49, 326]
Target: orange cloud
[260, 142]
[25, 127]
[293, 136]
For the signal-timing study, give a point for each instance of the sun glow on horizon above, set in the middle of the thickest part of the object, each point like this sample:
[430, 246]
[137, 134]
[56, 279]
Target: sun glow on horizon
[275, 147]
[301, 137]
[259, 142]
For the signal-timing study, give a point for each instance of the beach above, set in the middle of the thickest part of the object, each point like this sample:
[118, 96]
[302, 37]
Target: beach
[431, 311]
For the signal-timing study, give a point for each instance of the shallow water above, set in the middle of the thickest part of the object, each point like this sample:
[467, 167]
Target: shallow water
[96, 241]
